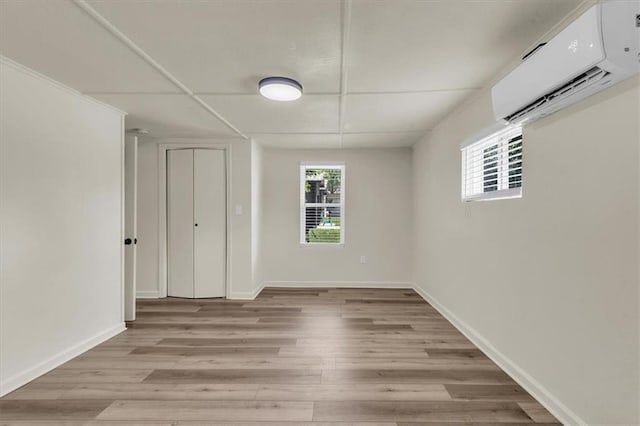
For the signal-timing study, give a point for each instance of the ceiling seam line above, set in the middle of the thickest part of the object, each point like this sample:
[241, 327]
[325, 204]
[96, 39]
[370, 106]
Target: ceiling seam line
[416, 92]
[198, 93]
[346, 21]
[373, 132]
[82, 4]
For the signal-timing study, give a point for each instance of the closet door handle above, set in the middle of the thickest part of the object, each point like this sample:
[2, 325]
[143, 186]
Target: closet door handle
[195, 224]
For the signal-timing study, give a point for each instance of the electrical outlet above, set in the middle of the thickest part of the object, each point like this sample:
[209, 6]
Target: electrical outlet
[363, 259]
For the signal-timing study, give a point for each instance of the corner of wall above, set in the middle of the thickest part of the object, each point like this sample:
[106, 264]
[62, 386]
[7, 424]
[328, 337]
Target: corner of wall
[24, 377]
[153, 294]
[247, 295]
[531, 385]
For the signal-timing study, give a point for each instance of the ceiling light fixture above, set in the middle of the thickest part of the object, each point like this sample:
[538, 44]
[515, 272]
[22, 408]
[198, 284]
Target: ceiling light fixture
[280, 88]
[137, 131]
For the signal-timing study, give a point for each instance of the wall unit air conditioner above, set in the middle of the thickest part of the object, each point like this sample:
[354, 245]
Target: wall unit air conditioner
[597, 50]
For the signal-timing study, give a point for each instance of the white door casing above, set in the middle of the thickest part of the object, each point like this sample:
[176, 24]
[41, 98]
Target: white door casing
[130, 225]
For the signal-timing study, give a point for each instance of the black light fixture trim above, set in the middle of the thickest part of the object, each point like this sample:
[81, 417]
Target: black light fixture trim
[285, 80]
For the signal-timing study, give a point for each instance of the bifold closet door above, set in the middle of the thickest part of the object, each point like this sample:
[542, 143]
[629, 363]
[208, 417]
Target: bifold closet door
[196, 221]
[180, 223]
[210, 214]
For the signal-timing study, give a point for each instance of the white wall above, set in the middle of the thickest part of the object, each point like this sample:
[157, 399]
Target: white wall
[549, 282]
[257, 175]
[377, 209]
[148, 281]
[147, 224]
[241, 267]
[61, 245]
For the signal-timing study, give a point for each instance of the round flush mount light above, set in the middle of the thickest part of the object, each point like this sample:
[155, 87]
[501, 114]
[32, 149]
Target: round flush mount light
[137, 131]
[280, 88]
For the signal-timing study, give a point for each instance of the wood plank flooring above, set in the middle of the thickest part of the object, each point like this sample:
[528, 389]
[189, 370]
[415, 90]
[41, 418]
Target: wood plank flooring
[374, 357]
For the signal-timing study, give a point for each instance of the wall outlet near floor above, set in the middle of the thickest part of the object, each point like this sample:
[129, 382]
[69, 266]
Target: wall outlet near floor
[363, 259]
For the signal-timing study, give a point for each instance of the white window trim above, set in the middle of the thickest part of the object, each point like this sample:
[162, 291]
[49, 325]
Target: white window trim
[486, 140]
[304, 165]
[503, 194]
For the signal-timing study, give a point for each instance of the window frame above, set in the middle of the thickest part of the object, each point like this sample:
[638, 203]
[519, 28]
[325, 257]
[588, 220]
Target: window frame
[335, 165]
[502, 138]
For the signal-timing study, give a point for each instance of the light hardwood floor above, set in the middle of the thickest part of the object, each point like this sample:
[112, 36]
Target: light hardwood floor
[292, 356]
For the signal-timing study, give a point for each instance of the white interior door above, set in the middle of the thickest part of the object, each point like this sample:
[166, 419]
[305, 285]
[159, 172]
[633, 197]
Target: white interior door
[180, 223]
[210, 216]
[130, 218]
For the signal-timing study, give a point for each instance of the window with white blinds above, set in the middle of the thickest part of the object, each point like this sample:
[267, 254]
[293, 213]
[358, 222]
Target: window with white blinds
[492, 166]
[322, 204]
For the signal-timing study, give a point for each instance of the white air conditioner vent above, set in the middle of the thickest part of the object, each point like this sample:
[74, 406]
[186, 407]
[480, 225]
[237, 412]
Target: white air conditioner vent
[594, 76]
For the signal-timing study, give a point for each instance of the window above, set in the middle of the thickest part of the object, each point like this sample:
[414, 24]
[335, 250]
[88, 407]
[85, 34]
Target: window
[322, 203]
[492, 166]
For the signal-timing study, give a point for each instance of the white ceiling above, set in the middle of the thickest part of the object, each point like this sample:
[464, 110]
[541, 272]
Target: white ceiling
[376, 73]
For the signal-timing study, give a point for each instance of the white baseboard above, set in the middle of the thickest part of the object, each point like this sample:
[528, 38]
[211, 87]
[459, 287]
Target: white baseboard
[153, 294]
[531, 385]
[20, 379]
[246, 295]
[250, 295]
[343, 284]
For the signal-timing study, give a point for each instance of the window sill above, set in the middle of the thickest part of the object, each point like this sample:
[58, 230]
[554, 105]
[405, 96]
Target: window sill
[322, 245]
[504, 194]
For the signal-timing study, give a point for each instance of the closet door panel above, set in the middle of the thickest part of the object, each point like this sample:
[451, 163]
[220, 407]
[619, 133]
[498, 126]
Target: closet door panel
[210, 215]
[180, 224]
